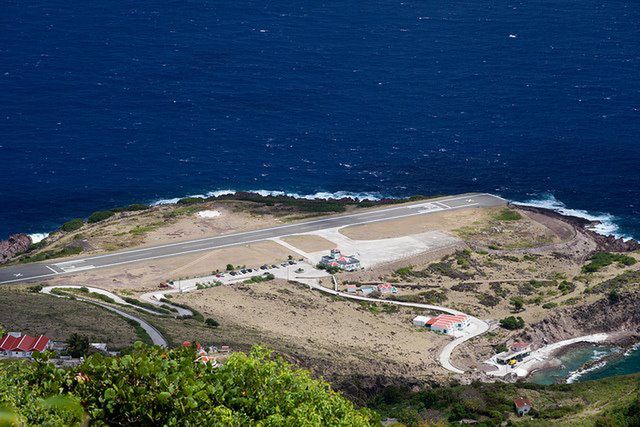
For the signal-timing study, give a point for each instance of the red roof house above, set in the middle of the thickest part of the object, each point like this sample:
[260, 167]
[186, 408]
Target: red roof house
[18, 343]
[523, 405]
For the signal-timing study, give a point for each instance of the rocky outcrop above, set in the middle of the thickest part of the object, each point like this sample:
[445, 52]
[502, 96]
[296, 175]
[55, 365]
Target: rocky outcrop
[14, 245]
[621, 317]
[604, 243]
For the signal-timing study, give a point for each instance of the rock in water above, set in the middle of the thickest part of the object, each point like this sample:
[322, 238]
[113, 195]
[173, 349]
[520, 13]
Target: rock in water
[15, 245]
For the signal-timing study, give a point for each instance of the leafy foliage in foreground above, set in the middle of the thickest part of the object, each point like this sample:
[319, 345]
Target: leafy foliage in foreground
[155, 386]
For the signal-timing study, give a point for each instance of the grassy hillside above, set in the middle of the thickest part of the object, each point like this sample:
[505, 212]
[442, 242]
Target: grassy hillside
[608, 402]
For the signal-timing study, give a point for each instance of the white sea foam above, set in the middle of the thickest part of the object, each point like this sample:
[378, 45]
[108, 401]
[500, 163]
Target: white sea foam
[605, 222]
[38, 237]
[323, 195]
[576, 375]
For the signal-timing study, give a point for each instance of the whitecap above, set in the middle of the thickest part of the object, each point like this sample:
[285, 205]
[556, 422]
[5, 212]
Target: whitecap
[604, 222]
[38, 237]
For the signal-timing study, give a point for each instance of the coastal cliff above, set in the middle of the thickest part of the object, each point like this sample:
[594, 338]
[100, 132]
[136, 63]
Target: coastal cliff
[14, 245]
[604, 243]
[620, 318]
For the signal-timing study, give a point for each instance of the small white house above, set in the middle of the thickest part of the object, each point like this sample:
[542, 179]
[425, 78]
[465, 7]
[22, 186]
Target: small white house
[420, 320]
[523, 406]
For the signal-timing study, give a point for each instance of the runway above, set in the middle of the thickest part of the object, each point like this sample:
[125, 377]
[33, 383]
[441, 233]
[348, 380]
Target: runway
[33, 271]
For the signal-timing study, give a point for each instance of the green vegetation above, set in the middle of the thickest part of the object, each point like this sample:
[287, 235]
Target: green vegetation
[155, 386]
[211, 322]
[147, 305]
[140, 332]
[77, 345]
[508, 214]
[100, 216]
[512, 323]
[72, 225]
[42, 256]
[604, 259]
[132, 208]
[328, 268]
[517, 303]
[608, 402]
[258, 279]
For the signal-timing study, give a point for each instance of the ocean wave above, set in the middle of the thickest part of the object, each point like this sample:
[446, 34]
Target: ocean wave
[577, 374]
[38, 237]
[605, 222]
[322, 195]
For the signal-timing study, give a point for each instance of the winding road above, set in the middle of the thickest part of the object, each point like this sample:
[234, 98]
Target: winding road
[156, 337]
[476, 328]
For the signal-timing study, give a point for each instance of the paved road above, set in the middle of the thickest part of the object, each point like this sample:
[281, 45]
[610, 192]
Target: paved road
[476, 328]
[156, 337]
[33, 271]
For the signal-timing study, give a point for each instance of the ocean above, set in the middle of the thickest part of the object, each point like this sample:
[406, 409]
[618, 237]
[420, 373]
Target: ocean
[109, 103]
[600, 365]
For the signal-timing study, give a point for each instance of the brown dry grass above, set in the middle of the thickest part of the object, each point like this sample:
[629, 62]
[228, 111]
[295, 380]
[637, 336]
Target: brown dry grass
[58, 318]
[320, 330]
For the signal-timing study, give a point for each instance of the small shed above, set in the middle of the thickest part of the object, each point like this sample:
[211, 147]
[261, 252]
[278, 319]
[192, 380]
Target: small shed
[421, 320]
[523, 406]
[352, 289]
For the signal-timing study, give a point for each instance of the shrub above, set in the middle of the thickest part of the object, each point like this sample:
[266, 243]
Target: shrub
[156, 386]
[72, 225]
[512, 323]
[549, 305]
[35, 288]
[211, 322]
[517, 302]
[604, 259]
[132, 208]
[229, 267]
[99, 216]
[190, 200]
[507, 214]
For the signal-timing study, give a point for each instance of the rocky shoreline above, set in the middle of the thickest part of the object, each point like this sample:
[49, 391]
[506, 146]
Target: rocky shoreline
[604, 243]
[15, 245]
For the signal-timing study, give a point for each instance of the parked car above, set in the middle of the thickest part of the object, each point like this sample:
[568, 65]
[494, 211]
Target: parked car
[264, 267]
[233, 273]
[291, 262]
[284, 264]
[243, 271]
[218, 275]
[274, 266]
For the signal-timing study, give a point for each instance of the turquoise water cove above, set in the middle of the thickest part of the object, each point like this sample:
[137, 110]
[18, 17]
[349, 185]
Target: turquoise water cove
[590, 363]
[109, 105]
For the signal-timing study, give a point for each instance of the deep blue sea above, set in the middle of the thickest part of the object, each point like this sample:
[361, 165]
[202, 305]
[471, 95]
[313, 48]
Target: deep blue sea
[104, 103]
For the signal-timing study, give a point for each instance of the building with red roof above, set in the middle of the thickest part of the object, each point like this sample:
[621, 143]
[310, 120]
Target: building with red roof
[448, 323]
[15, 344]
[523, 405]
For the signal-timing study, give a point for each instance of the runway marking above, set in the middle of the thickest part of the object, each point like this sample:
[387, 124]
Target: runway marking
[56, 272]
[63, 265]
[290, 225]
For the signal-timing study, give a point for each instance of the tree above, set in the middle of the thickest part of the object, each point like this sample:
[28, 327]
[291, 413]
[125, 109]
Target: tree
[614, 296]
[229, 267]
[77, 345]
[518, 303]
[512, 323]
